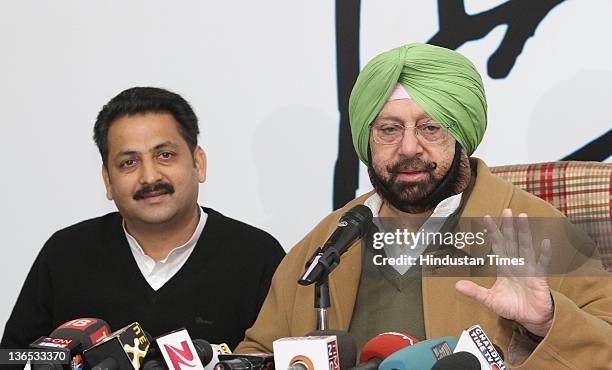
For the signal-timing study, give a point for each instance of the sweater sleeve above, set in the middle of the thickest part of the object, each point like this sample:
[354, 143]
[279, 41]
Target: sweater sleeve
[273, 321]
[579, 337]
[277, 253]
[31, 317]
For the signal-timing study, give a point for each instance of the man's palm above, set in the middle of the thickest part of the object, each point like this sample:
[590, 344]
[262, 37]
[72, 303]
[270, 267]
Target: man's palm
[521, 292]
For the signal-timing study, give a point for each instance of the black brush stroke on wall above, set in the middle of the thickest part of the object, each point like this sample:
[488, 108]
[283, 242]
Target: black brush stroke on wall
[521, 16]
[346, 171]
[598, 150]
[456, 28]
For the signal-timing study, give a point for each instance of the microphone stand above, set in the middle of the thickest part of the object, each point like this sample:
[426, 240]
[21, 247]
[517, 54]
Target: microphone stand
[322, 303]
[317, 272]
[352, 226]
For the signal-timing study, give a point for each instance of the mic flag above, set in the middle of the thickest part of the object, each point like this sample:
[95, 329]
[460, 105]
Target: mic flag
[347, 349]
[72, 338]
[127, 347]
[475, 341]
[307, 353]
[178, 351]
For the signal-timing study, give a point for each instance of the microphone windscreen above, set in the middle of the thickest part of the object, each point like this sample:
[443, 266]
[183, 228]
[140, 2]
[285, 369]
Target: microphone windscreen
[385, 344]
[204, 350]
[361, 212]
[107, 364]
[153, 365]
[422, 355]
[347, 349]
[458, 361]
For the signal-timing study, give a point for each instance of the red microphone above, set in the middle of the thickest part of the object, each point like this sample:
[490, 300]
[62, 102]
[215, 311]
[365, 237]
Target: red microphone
[382, 346]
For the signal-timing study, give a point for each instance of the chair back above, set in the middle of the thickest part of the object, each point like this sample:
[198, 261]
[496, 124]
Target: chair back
[581, 190]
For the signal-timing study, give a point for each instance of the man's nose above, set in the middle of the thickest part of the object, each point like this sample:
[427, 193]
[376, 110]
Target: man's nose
[410, 145]
[150, 174]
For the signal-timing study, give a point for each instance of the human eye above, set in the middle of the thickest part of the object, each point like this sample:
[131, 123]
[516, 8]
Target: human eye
[128, 163]
[165, 155]
[429, 128]
[389, 129]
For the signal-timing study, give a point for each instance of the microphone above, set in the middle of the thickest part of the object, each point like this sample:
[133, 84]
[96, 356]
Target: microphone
[153, 365]
[422, 355]
[321, 349]
[256, 361]
[71, 338]
[352, 226]
[204, 350]
[123, 349]
[178, 350]
[380, 347]
[475, 341]
[458, 361]
[154, 360]
[107, 364]
[207, 353]
[217, 350]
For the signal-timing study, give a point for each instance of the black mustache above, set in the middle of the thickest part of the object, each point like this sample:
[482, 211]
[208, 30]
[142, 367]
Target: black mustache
[145, 190]
[411, 164]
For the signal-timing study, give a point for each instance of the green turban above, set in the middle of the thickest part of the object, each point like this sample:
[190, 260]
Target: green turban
[444, 83]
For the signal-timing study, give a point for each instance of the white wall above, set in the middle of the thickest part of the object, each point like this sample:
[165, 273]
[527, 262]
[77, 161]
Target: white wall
[263, 73]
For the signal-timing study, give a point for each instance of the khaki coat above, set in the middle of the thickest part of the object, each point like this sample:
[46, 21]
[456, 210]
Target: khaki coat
[580, 336]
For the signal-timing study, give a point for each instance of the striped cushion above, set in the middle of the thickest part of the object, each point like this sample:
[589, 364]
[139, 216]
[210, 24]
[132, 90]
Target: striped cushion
[581, 190]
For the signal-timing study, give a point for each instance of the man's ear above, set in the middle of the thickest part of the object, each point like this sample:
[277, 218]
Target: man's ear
[107, 183]
[199, 157]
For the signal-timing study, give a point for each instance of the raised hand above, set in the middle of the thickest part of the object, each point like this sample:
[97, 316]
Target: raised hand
[521, 292]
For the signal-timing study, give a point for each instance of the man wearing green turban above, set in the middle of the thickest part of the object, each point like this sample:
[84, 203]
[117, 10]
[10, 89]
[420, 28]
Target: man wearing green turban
[437, 89]
[417, 114]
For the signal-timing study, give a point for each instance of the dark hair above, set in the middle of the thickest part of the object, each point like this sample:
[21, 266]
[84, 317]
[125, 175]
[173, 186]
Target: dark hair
[140, 100]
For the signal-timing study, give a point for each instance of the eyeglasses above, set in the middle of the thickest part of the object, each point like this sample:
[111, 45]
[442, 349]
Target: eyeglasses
[393, 133]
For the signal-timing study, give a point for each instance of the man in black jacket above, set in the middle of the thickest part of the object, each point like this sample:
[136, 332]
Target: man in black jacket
[162, 260]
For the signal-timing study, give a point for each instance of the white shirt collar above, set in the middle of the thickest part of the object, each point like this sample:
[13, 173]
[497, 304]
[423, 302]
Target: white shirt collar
[444, 209]
[158, 273]
[433, 224]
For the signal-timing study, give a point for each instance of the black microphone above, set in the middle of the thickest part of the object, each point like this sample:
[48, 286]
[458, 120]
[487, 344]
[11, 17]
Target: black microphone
[107, 364]
[153, 365]
[256, 361]
[204, 350]
[458, 361]
[352, 226]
